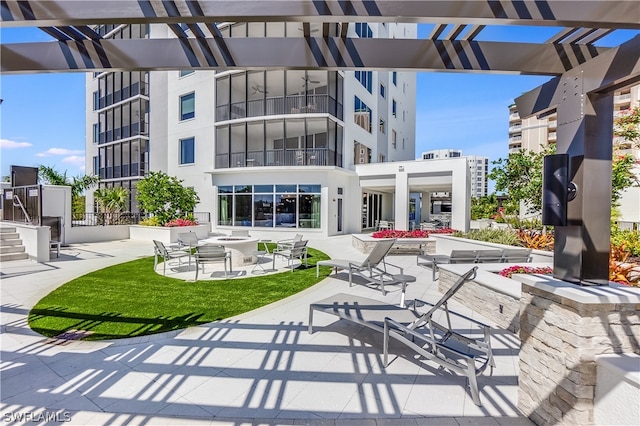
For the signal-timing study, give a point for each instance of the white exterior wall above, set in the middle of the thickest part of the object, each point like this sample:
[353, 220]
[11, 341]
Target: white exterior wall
[329, 179]
[201, 127]
[91, 148]
[404, 92]
[405, 177]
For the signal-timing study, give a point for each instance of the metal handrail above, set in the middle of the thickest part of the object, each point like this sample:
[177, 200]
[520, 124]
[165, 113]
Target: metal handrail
[14, 198]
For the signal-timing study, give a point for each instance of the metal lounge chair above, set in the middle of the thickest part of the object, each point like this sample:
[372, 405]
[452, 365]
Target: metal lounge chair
[373, 269]
[516, 255]
[212, 253]
[489, 256]
[456, 256]
[297, 251]
[418, 330]
[166, 254]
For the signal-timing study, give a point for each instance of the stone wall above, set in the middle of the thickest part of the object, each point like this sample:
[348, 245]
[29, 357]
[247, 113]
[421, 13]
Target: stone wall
[498, 306]
[365, 243]
[563, 327]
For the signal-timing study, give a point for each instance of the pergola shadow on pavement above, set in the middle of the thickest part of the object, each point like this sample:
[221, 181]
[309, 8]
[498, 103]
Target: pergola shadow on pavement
[260, 365]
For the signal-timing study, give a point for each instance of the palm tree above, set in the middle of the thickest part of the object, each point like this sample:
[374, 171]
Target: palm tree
[110, 201]
[78, 184]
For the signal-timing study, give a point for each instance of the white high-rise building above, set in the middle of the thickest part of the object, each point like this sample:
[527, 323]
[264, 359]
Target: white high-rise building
[272, 149]
[478, 168]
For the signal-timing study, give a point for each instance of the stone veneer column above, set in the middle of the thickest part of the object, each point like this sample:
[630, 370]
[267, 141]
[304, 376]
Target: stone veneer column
[562, 328]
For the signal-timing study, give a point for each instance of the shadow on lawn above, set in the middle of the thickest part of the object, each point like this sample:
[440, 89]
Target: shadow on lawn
[92, 323]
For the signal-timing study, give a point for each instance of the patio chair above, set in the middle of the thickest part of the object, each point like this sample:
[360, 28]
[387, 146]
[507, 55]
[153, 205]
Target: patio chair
[212, 253]
[166, 254]
[188, 241]
[288, 243]
[239, 233]
[384, 224]
[440, 343]
[297, 251]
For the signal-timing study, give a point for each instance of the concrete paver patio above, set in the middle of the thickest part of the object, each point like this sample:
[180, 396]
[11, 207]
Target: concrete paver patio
[261, 367]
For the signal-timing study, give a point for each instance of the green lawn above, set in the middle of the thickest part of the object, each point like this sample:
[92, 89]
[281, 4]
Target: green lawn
[130, 299]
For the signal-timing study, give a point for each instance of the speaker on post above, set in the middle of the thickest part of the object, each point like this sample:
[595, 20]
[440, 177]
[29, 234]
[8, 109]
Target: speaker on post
[555, 182]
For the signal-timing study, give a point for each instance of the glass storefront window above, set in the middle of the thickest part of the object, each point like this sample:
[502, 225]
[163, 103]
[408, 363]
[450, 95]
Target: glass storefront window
[292, 206]
[263, 210]
[225, 209]
[309, 215]
[286, 210]
[242, 204]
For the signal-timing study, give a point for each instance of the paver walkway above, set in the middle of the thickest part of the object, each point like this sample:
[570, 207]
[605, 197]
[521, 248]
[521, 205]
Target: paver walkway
[261, 367]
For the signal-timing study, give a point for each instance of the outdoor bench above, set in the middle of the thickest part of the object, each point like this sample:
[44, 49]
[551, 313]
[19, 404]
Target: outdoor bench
[473, 256]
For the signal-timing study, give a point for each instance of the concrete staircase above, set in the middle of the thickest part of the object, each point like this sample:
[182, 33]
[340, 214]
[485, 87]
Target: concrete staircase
[11, 247]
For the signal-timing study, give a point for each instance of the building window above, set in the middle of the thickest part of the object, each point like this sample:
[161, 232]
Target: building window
[96, 165]
[362, 115]
[187, 106]
[96, 100]
[394, 108]
[270, 206]
[187, 151]
[382, 126]
[365, 77]
[394, 78]
[363, 30]
[382, 90]
[96, 132]
[393, 138]
[184, 73]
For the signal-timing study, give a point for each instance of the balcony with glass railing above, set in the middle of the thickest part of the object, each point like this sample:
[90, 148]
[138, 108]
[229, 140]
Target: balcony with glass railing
[293, 104]
[278, 157]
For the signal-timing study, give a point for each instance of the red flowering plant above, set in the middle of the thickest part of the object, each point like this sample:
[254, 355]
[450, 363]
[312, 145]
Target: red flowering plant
[394, 233]
[181, 222]
[508, 272]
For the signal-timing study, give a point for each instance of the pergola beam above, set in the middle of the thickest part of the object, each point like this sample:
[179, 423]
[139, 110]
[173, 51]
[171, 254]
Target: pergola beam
[570, 13]
[616, 67]
[331, 53]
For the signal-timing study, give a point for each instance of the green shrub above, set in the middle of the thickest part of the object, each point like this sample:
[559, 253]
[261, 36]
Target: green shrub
[630, 239]
[498, 236]
[150, 221]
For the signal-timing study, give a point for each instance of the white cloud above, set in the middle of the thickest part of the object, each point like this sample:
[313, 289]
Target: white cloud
[59, 151]
[74, 159]
[9, 144]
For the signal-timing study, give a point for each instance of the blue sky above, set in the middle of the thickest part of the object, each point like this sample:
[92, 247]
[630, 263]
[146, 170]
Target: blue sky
[43, 115]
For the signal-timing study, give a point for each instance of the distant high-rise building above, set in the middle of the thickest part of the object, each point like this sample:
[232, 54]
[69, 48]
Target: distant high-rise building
[478, 168]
